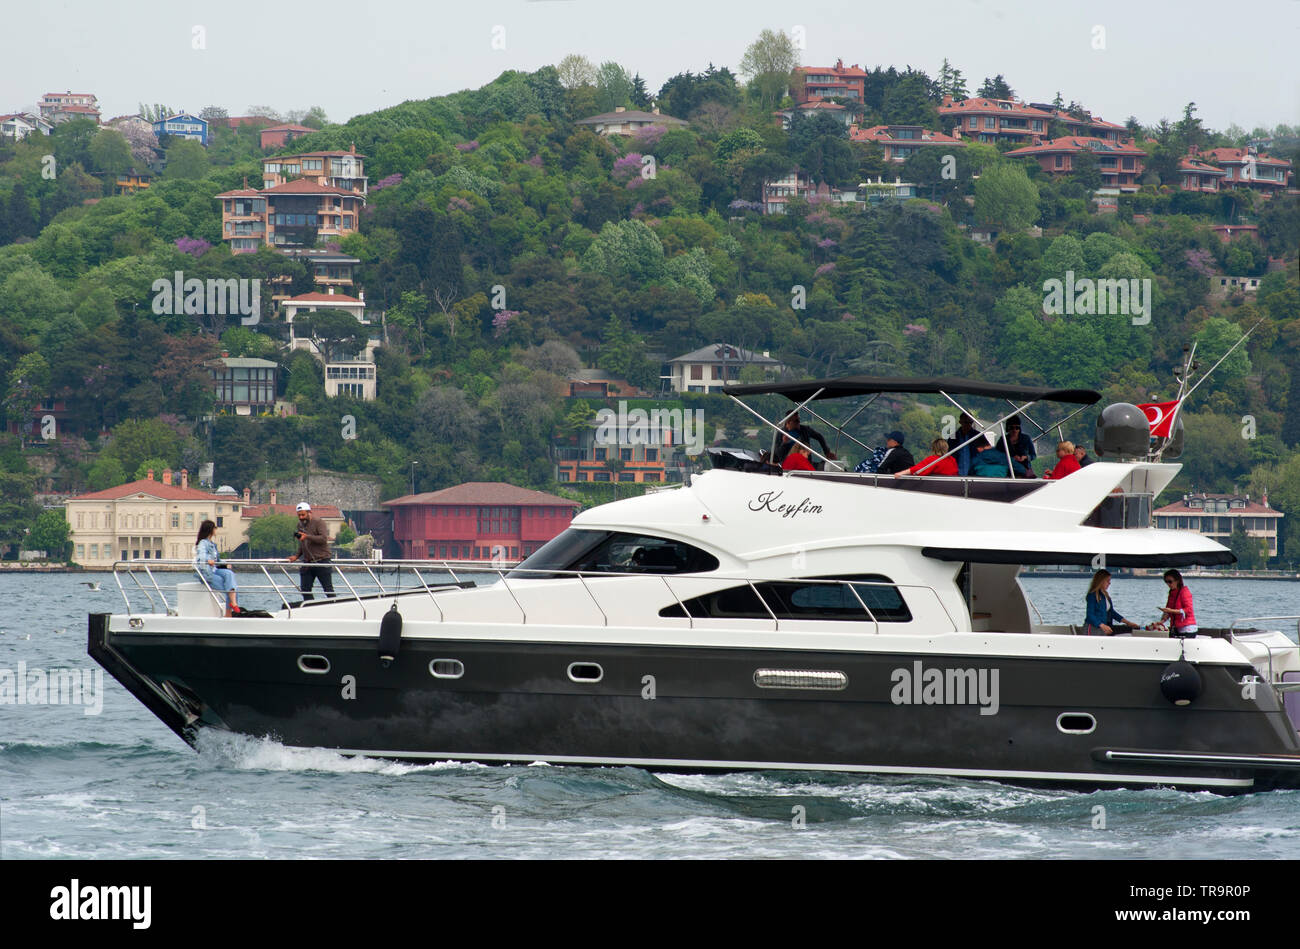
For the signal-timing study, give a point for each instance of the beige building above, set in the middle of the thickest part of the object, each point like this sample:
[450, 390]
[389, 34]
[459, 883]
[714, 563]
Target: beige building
[1215, 515]
[149, 520]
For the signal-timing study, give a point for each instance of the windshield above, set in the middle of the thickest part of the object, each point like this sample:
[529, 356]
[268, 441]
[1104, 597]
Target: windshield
[594, 551]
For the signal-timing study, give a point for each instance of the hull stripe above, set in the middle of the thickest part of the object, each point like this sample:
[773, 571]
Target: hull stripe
[1080, 776]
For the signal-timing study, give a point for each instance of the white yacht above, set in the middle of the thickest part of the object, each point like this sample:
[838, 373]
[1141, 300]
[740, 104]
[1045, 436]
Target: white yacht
[757, 619]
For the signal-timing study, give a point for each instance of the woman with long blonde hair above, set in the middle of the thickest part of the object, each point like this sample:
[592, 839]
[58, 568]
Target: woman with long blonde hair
[1102, 616]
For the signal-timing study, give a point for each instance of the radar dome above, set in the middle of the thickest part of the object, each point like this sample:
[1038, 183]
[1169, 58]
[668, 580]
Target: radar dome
[1122, 432]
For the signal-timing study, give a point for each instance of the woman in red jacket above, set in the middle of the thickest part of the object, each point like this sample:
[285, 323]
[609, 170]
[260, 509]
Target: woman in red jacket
[1178, 609]
[931, 465]
[1068, 464]
[797, 460]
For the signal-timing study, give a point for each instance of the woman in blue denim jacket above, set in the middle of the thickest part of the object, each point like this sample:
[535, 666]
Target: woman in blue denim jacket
[207, 561]
[1102, 615]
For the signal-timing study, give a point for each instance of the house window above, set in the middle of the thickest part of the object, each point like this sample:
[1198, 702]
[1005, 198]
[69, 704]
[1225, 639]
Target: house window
[697, 372]
[652, 454]
[221, 522]
[81, 551]
[94, 551]
[625, 454]
[189, 522]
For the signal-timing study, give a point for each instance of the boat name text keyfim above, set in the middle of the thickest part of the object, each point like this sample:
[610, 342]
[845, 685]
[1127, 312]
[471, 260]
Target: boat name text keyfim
[767, 502]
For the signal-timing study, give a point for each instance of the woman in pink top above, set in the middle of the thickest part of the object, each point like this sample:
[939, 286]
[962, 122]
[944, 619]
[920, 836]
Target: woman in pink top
[1178, 610]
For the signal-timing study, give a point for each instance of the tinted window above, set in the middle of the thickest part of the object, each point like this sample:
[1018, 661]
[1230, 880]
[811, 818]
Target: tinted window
[591, 551]
[798, 599]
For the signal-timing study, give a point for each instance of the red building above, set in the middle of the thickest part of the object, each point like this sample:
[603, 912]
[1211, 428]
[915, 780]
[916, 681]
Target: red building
[831, 82]
[995, 120]
[278, 136]
[470, 521]
[1250, 168]
[1120, 164]
[900, 142]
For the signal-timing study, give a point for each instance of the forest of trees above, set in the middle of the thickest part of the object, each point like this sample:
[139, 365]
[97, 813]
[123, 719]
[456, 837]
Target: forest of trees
[508, 247]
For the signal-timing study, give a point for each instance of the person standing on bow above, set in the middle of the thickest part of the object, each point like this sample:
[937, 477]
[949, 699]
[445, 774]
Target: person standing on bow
[314, 552]
[1178, 608]
[1102, 616]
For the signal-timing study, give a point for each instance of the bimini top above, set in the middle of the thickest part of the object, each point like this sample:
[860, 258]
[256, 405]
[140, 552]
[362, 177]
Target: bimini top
[868, 385]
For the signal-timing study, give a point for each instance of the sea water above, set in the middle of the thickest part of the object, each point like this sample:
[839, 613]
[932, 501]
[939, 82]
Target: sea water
[119, 784]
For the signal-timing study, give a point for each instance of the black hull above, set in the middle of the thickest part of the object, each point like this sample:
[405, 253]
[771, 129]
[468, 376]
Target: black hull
[517, 702]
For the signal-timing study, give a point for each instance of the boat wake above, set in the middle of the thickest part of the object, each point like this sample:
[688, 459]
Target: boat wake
[245, 753]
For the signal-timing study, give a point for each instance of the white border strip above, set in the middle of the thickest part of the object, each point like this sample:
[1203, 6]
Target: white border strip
[792, 766]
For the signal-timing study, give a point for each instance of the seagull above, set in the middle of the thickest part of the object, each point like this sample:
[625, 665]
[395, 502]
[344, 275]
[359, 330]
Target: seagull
[63, 630]
[94, 587]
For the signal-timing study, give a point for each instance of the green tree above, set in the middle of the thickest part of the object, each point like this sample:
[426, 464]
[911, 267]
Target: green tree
[336, 335]
[136, 440]
[110, 154]
[271, 535]
[106, 472]
[29, 382]
[623, 354]
[768, 63]
[186, 159]
[613, 87]
[996, 88]
[155, 465]
[1005, 198]
[18, 507]
[1251, 552]
[576, 71]
[50, 534]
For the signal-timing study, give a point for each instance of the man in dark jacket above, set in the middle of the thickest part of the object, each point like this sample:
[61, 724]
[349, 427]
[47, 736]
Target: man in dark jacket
[1020, 447]
[314, 552]
[897, 458]
[805, 434]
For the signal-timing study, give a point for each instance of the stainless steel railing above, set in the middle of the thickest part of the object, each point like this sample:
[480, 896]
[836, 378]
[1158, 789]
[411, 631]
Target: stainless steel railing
[370, 580]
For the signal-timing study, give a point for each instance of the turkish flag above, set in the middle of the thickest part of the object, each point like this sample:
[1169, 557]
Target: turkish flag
[1160, 416]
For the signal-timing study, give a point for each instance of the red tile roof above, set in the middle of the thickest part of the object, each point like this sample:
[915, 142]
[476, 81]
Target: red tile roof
[483, 492]
[165, 492]
[980, 106]
[1076, 143]
[837, 70]
[882, 133]
[1234, 156]
[307, 186]
[315, 297]
[1190, 163]
[252, 511]
[240, 193]
[78, 108]
[312, 154]
[1251, 507]
[289, 127]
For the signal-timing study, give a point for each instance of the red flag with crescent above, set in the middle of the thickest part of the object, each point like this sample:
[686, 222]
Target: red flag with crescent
[1160, 416]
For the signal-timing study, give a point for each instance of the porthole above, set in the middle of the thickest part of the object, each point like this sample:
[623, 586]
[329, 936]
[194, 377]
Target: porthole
[316, 665]
[446, 668]
[1076, 723]
[586, 672]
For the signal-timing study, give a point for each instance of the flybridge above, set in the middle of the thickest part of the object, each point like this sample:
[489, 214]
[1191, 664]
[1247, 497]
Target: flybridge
[1020, 398]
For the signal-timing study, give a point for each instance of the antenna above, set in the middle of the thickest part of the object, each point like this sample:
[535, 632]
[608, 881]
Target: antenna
[1183, 375]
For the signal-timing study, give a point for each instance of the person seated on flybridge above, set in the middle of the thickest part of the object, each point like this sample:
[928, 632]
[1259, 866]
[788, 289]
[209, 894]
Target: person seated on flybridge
[797, 460]
[934, 463]
[1020, 447]
[897, 458]
[989, 462]
[1068, 463]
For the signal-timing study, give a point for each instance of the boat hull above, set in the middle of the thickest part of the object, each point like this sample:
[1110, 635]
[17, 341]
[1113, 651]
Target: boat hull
[1031, 720]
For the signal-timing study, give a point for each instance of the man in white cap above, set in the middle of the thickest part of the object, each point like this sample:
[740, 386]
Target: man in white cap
[314, 552]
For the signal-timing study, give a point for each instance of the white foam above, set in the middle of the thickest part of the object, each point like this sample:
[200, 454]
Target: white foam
[266, 754]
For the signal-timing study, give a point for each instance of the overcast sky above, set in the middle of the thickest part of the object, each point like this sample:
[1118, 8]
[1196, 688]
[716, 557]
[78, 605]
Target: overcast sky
[1236, 61]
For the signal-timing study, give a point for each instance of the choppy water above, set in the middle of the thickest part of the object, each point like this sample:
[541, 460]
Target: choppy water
[121, 785]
